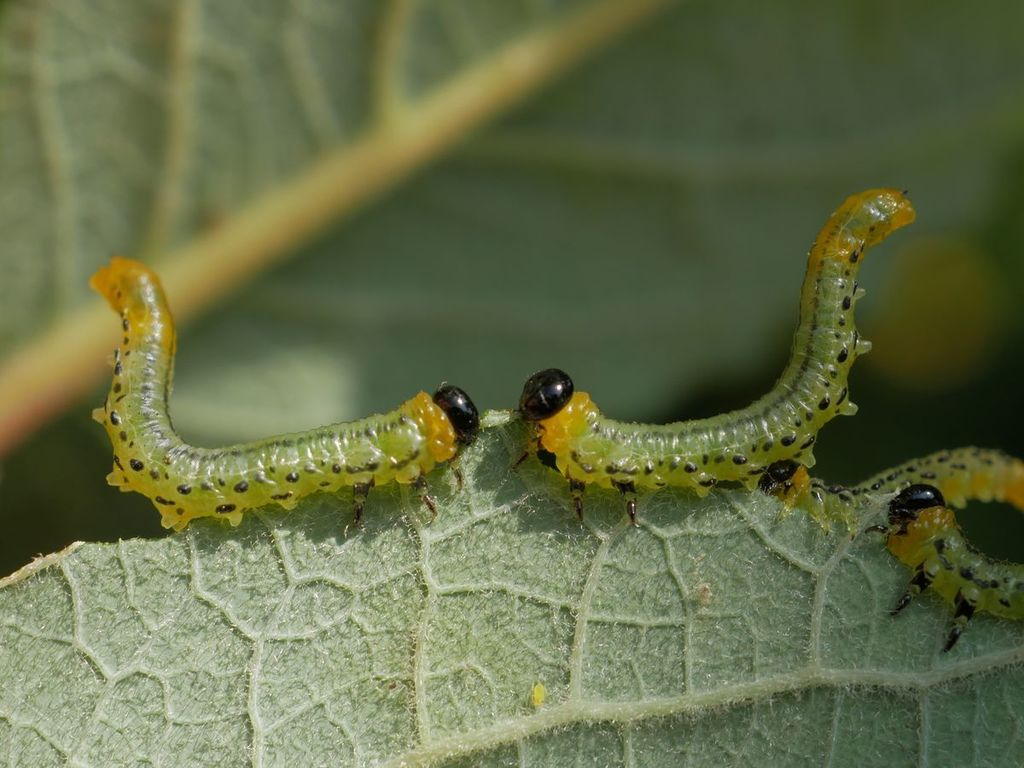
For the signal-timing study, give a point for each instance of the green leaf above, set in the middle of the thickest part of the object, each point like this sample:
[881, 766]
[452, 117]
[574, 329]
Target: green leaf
[712, 632]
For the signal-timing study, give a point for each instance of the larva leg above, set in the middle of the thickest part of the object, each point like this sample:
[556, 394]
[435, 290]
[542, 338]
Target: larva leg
[628, 490]
[576, 489]
[360, 491]
[420, 484]
[918, 584]
[963, 613]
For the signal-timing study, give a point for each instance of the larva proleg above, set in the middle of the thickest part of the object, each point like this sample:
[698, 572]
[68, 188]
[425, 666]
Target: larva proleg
[186, 482]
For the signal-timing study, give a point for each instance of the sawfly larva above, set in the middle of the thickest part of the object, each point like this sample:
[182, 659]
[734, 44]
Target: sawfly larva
[186, 482]
[589, 447]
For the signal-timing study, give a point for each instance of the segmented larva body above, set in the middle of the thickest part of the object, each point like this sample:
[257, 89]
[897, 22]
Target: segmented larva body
[186, 482]
[924, 535]
[960, 474]
[590, 448]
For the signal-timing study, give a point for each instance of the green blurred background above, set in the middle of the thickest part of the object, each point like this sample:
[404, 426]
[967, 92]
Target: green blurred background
[641, 221]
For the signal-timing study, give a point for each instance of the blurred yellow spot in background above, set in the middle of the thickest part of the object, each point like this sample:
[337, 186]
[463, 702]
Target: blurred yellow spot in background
[941, 317]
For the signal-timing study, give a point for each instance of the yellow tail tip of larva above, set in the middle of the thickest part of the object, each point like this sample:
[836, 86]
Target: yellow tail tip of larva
[894, 208]
[112, 281]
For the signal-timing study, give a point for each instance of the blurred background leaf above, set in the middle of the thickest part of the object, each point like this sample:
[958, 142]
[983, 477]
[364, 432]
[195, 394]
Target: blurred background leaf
[640, 222]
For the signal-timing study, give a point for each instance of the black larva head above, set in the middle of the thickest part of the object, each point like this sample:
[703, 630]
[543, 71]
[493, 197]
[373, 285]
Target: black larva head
[545, 394]
[777, 475]
[911, 500]
[460, 410]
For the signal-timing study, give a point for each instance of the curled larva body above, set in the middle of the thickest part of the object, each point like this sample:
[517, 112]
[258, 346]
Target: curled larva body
[960, 474]
[924, 535]
[739, 446]
[186, 482]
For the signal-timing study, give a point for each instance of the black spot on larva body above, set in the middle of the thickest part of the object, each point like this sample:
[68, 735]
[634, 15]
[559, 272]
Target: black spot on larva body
[118, 368]
[690, 467]
[844, 353]
[842, 396]
[162, 500]
[336, 468]
[117, 462]
[738, 460]
[855, 254]
[708, 483]
[324, 483]
[124, 322]
[225, 508]
[115, 418]
[135, 464]
[292, 477]
[808, 442]
[241, 487]
[184, 489]
[117, 387]
[281, 496]
[154, 474]
[847, 302]
[788, 440]
[824, 403]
